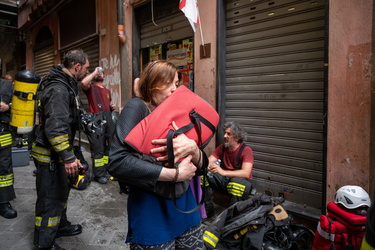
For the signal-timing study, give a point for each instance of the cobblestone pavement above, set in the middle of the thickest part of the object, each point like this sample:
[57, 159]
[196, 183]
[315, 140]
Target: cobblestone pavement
[100, 209]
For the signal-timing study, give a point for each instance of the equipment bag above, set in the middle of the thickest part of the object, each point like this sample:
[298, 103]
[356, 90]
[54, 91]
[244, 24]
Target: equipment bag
[256, 223]
[354, 222]
[339, 229]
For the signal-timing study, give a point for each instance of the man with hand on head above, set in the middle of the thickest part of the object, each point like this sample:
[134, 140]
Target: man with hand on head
[100, 101]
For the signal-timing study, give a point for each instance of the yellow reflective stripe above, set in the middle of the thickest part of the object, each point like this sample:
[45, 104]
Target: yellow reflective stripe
[365, 245]
[205, 182]
[105, 159]
[41, 154]
[60, 143]
[5, 136]
[98, 162]
[41, 158]
[6, 180]
[61, 146]
[53, 221]
[210, 238]
[236, 189]
[58, 139]
[38, 221]
[5, 140]
[40, 150]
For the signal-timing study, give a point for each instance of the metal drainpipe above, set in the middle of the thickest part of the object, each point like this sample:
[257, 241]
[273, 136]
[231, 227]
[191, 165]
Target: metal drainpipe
[120, 26]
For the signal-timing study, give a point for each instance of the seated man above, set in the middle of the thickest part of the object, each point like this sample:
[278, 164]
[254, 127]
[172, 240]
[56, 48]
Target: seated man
[233, 174]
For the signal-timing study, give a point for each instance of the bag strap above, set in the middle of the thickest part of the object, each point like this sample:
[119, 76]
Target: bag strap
[197, 120]
[238, 159]
[97, 98]
[201, 202]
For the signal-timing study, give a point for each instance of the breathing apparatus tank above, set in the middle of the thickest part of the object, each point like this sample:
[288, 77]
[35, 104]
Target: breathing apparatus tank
[23, 101]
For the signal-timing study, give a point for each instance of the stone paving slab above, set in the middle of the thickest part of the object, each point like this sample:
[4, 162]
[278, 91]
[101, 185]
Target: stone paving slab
[100, 209]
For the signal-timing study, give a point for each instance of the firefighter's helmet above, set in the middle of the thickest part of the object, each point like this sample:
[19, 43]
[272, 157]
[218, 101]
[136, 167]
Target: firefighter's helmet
[82, 182]
[352, 197]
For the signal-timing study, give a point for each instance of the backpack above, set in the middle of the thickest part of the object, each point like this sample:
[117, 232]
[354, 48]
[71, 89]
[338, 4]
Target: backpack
[339, 229]
[257, 223]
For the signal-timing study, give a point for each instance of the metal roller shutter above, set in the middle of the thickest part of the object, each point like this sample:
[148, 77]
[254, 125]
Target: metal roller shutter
[171, 28]
[275, 89]
[43, 60]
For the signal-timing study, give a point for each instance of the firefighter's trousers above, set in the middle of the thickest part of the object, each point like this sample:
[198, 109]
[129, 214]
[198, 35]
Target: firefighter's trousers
[99, 154]
[99, 147]
[238, 188]
[53, 189]
[6, 169]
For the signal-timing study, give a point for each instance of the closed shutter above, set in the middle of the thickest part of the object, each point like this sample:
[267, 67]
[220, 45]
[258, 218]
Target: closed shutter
[275, 89]
[171, 28]
[43, 60]
[91, 48]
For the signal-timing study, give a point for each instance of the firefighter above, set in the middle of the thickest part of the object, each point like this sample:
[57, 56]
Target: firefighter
[100, 101]
[6, 169]
[232, 174]
[52, 149]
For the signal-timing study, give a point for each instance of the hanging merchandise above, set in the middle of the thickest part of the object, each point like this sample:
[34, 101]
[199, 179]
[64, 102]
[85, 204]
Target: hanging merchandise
[155, 53]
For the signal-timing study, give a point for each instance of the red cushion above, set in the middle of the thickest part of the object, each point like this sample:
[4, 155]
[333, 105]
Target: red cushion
[175, 108]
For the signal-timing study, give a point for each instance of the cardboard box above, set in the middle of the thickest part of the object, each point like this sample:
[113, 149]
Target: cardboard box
[20, 156]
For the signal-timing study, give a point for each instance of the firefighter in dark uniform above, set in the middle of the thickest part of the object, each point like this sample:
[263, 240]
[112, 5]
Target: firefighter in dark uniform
[6, 169]
[52, 150]
[231, 176]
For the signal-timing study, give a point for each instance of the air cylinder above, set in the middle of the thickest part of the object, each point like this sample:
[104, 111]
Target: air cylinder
[23, 101]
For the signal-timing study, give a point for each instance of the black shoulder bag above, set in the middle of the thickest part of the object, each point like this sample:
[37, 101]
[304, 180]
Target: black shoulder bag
[92, 122]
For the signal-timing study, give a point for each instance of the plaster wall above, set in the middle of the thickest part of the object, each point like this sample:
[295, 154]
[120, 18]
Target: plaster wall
[51, 22]
[349, 94]
[126, 52]
[109, 48]
[205, 78]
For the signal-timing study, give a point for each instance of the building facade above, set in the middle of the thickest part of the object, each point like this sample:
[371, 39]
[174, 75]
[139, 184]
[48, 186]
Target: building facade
[296, 74]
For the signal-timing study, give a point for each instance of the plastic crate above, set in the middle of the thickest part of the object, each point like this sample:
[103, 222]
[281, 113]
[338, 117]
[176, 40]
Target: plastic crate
[20, 156]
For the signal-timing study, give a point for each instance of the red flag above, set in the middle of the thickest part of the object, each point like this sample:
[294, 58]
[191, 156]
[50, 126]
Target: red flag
[190, 8]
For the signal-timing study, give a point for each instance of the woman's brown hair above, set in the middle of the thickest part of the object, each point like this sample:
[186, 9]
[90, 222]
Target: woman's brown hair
[156, 75]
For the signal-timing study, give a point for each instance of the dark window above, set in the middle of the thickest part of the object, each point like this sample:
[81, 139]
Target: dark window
[77, 21]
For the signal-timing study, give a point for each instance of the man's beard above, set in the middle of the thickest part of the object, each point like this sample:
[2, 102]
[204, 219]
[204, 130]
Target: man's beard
[227, 145]
[99, 79]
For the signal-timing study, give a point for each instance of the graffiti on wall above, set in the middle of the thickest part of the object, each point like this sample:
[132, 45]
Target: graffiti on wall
[112, 80]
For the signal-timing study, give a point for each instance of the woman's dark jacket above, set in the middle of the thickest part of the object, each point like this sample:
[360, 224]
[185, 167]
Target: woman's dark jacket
[123, 164]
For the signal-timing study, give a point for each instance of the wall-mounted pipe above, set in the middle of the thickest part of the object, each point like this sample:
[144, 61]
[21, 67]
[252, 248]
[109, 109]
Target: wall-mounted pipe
[120, 18]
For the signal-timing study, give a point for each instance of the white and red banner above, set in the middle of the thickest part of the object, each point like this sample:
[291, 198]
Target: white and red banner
[190, 8]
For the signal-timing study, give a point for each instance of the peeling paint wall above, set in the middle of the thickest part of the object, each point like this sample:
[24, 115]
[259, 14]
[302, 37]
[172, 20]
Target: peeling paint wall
[349, 95]
[205, 77]
[109, 56]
